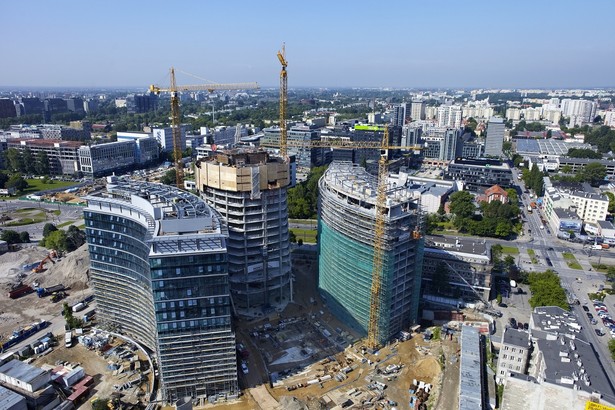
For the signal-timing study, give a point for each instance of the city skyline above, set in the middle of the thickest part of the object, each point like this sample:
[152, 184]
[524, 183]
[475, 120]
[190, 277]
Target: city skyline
[342, 44]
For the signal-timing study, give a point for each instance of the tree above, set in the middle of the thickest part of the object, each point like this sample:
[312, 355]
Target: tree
[611, 201]
[547, 290]
[594, 173]
[41, 166]
[16, 181]
[583, 153]
[513, 197]
[169, 178]
[24, 237]
[71, 321]
[48, 228]
[566, 169]
[75, 237]
[507, 148]
[612, 348]
[462, 204]
[28, 160]
[56, 240]
[10, 236]
[14, 160]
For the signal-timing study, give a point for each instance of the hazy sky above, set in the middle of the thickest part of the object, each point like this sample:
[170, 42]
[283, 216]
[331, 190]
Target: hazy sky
[335, 43]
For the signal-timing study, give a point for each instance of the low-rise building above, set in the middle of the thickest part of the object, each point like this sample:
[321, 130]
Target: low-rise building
[495, 193]
[565, 220]
[104, 159]
[146, 146]
[590, 206]
[480, 173]
[514, 353]
[62, 155]
[452, 265]
[562, 354]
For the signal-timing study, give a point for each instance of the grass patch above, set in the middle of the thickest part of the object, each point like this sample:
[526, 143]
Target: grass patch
[35, 185]
[57, 212]
[82, 226]
[597, 296]
[510, 250]
[533, 258]
[307, 235]
[571, 261]
[601, 267]
[25, 221]
[26, 210]
[63, 224]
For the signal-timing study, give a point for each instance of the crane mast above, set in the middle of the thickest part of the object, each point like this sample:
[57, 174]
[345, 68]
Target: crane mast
[174, 90]
[177, 135]
[375, 308]
[283, 101]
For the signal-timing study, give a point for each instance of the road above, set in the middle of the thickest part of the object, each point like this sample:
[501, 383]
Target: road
[68, 213]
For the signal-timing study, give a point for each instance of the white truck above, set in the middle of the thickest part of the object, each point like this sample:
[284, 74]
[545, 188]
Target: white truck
[68, 339]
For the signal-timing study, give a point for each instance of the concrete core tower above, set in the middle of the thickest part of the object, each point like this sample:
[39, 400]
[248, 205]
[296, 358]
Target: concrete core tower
[249, 189]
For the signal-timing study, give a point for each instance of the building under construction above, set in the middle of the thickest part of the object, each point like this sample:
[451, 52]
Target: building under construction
[249, 189]
[346, 230]
[158, 266]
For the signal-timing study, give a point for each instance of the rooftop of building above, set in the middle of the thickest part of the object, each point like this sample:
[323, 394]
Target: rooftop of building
[21, 371]
[585, 161]
[555, 320]
[470, 369]
[563, 213]
[464, 245]
[496, 189]
[481, 163]
[548, 146]
[39, 142]
[356, 182]
[242, 157]
[9, 399]
[516, 337]
[606, 224]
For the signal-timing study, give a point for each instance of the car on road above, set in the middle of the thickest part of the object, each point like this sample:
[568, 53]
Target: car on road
[244, 368]
[549, 261]
[590, 316]
[585, 308]
[550, 249]
[599, 332]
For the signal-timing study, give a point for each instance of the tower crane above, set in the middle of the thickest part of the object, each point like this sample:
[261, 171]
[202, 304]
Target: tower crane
[283, 101]
[174, 90]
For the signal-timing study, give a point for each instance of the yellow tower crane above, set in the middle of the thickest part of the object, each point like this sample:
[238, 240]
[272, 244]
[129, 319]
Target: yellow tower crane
[283, 101]
[174, 90]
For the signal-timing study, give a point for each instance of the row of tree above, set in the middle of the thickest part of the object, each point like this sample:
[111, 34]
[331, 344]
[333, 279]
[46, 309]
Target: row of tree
[12, 237]
[593, 173]
[533, 179]
[303, 198]
[69, 240]
[26, 162]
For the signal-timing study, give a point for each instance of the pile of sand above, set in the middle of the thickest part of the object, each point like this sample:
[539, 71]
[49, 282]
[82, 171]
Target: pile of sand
[71, 271]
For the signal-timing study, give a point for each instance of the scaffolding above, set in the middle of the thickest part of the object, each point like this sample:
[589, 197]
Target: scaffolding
[347, 234]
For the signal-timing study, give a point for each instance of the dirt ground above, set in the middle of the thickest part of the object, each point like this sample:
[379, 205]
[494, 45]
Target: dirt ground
[96, 365]
[71, 271]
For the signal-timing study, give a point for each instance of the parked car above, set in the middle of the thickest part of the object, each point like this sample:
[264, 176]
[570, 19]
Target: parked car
[589, 315]
[585, 308]
[599, 332]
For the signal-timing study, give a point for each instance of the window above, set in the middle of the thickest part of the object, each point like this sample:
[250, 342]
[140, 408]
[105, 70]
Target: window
[505, 357]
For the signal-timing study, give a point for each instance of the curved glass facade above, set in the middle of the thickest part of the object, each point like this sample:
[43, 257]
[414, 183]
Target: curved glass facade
[159, 270]
[346, 237]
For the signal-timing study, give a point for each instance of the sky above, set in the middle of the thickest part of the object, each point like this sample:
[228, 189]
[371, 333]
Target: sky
[335, 43]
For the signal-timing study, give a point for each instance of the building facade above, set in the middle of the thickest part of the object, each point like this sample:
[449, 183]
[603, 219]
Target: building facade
[103, 159]
[62, 155]
[158, 266]
[478, 174]
[495, 137]
[249, 189]
[514, 353]
[346, 222]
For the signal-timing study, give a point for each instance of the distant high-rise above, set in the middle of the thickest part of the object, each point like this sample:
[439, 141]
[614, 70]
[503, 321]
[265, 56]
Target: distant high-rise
[495, 137]
[449, 116]
[585, 110]
[7, 108]
[399, 115]
[417, 111]
[159, 269]
[346, 218]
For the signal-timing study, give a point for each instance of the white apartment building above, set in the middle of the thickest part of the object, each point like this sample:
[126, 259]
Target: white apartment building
[584, 109]
[609, 118]
[164, 136]
[449, 116]
[590, 207]
[513, 114]
[532, 114]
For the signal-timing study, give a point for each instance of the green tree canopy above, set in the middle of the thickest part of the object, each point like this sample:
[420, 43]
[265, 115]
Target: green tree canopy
[55, 240]
[547, 290]
[169, 178]
[24, 237]
[10, 236]
[16, 181]
[462, 204]
[594, 173]
[48, 228]
[583, 153]
[611, 201]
